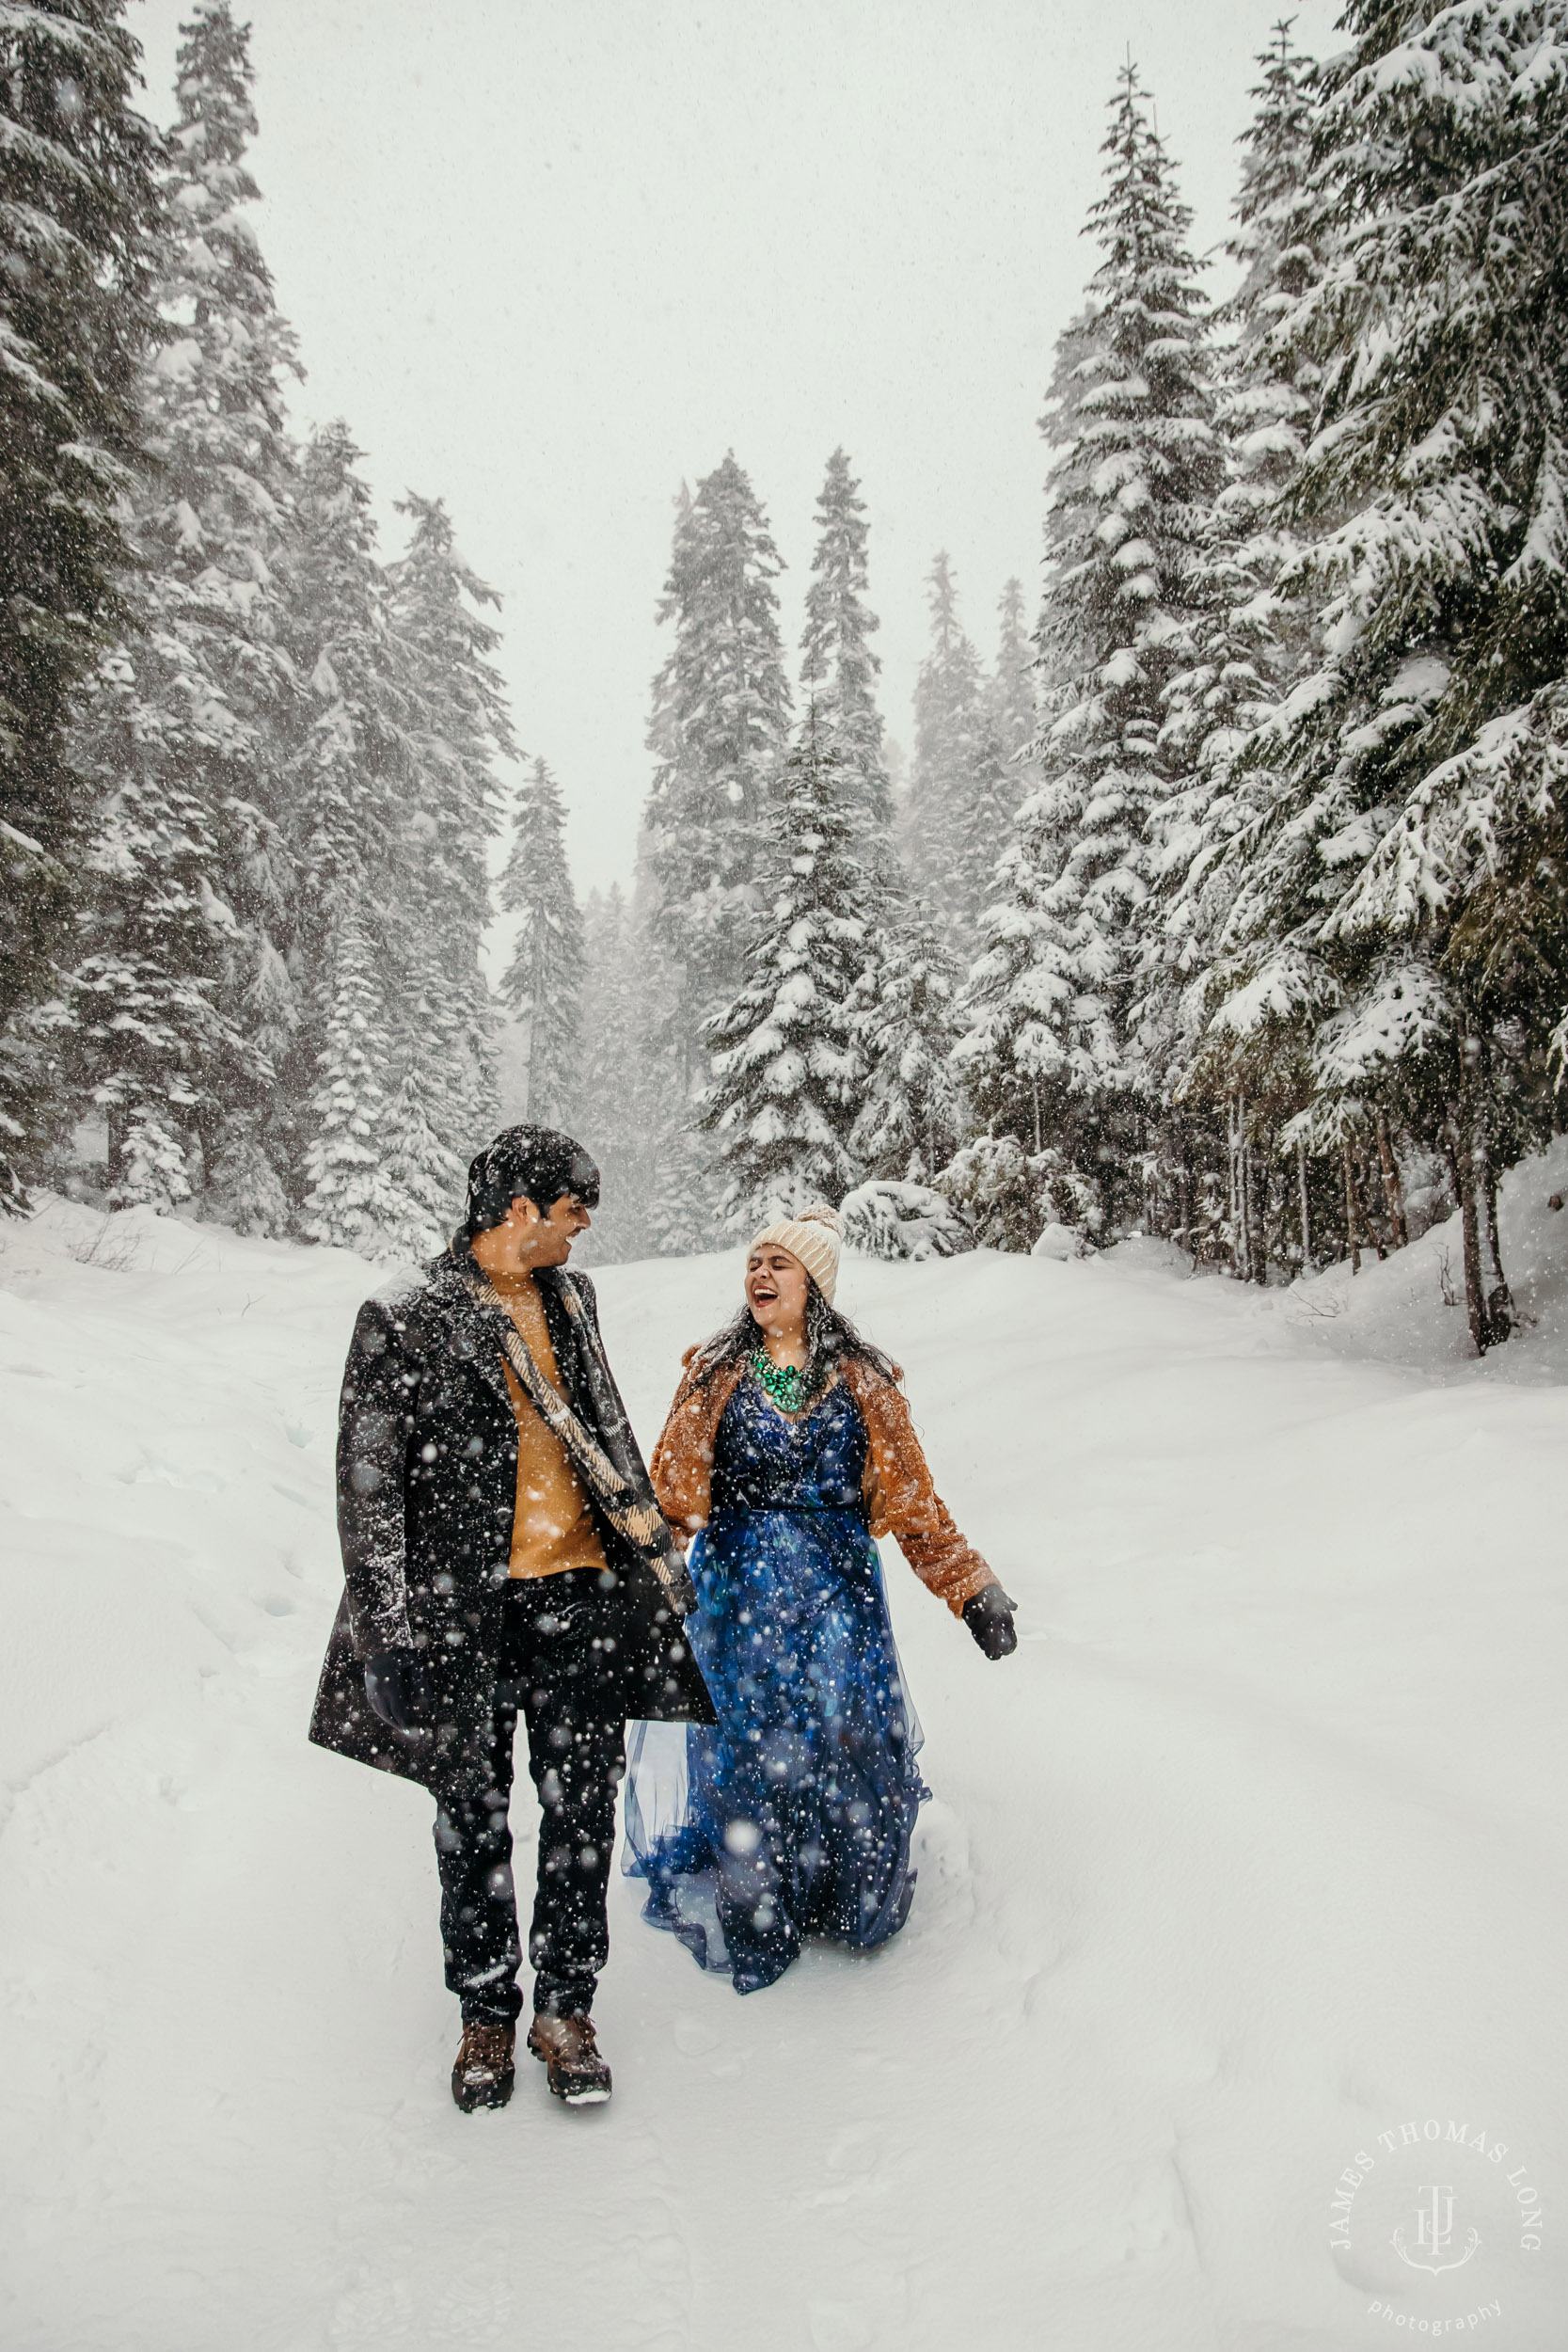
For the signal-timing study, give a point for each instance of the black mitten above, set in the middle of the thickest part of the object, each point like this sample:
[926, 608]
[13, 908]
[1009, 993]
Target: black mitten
[397, 1685]
[989, 1615]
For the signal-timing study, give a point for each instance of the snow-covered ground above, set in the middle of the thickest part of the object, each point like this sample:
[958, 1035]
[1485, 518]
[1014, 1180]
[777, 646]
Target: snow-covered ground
[1253, 1854]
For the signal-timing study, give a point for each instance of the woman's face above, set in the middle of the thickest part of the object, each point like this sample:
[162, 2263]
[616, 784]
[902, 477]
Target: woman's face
[776, 1290]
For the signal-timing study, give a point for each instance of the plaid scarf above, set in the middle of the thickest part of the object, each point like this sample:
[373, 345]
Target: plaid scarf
[626, 1498]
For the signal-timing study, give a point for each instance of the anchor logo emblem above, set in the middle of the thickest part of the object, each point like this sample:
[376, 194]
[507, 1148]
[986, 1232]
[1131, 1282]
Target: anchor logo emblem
[1434, 2233]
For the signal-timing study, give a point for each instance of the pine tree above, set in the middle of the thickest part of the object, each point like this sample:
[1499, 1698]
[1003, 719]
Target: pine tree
[838, 669]
[784, 1061]
[352, 1202]
[719, 730]
[990, 814]
[1053, 1050]
[1010, 691]
[154, 1045]
[424, 1179]
[612, 1106]
[1249, 647]
[905, 1027]
[459, 727]
[182, 996]
[681, 1203]
[1406, 882]
[950, 742]
[77, 218]
[543, 980]
[1037, 1039]
[996, 776]
[353, 769]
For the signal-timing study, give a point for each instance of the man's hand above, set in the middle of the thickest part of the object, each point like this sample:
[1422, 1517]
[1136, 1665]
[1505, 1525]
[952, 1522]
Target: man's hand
[397, 1684]
[989, 1615]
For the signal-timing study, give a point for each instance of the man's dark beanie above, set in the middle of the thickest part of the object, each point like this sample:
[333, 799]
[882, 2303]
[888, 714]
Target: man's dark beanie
[537, 1164]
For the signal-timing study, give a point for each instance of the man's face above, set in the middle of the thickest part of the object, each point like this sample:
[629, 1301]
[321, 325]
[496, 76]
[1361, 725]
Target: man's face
[560, 1230]
[524, 1239]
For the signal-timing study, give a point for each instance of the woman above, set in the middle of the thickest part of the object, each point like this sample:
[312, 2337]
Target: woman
[788, 1448]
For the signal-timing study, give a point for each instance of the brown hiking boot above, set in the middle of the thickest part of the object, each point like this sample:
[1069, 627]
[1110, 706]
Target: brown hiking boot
[483, 2075]
[566, 2046]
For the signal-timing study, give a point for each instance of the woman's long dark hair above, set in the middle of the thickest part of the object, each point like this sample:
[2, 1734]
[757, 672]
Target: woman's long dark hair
[832, 1340]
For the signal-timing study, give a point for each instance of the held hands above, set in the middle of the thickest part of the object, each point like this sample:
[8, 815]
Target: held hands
[682, 1592]
[989, 1615]
[397, 1684]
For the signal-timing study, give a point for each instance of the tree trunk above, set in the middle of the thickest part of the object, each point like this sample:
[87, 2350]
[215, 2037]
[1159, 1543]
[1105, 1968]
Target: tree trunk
[1459, 1169]
[1246, 1206]
[1494, 1282]
[1306, 1211]
[1363, 1187]
[1351, 1223]
[1239, 1265]
[526, 1060]
[1257, 1200]
[1230, 1174]
[1487, 1302]
[207, 1129]
[1363, 1181]
[1497, 1306]
[117, 1125]
[1393, 1191]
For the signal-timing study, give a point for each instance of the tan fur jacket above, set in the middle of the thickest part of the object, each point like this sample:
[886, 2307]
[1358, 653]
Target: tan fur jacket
[900, 1496]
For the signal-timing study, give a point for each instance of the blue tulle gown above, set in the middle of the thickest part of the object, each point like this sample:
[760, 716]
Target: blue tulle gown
[791, 1818]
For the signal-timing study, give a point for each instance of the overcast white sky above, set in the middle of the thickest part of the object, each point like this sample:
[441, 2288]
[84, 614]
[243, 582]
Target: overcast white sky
[549, 257]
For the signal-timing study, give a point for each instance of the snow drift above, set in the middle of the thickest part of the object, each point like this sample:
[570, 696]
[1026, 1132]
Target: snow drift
[1253, 1851]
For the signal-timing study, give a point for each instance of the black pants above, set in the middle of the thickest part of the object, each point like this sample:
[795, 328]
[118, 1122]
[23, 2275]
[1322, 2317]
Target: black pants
[561, 1672]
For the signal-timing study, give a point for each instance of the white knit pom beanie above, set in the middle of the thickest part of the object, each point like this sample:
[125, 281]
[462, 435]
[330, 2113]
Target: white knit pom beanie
[815, 1237]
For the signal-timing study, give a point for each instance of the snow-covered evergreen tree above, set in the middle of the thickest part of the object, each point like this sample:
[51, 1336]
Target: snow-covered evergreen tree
[543, 980]
[838, 668]
[719, 729]
[182, 995]
[612, 1106]
[991, 774]
[154, 1045]
[77, 217]
[1052, 1051]
[354, 771]
[459, 727]
[785, 1066]
[937, 820]
[989, 815]
[425, 1179]
[1269, 386]
[1013, 1200]
[1249, 646]
[354, 1202]
[1036, 1037]
[1010, 688]
[641, 1093]
[904, 1027]
[1403, 887]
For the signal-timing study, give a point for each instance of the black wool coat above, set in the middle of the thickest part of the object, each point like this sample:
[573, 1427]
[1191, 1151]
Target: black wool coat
[427, 1478]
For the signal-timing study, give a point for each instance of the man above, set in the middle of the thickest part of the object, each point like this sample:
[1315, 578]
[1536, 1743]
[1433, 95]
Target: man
[503, 1556]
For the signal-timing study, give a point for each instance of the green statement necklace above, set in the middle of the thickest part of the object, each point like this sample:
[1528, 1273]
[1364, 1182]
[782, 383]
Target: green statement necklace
[788, 1385]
